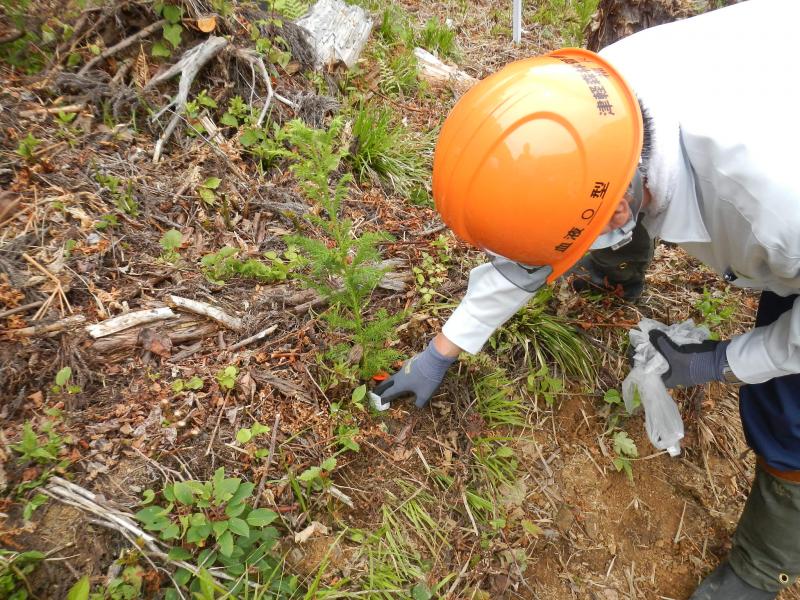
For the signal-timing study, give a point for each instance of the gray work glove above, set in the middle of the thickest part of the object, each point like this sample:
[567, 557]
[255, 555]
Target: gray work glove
[420, 376]
[690, 364]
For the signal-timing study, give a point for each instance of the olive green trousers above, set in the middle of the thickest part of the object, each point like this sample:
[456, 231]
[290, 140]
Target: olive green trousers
[766, 545]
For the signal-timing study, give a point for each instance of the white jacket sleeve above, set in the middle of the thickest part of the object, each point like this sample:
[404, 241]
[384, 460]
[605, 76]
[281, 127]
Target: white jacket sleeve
[489, 302]
[769, 351]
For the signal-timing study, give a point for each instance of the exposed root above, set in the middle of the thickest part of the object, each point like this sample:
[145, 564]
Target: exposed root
[188, 66]
[128, 41]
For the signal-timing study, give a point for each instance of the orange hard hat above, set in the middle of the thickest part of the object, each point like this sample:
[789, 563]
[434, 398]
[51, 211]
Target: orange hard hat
[533, 160]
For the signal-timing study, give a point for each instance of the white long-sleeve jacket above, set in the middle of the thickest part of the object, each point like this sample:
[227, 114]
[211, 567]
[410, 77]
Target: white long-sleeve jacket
[723, 90]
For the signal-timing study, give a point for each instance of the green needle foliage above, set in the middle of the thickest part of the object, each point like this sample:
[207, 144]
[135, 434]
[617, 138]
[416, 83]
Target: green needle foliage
[387, 152]
[344, 268]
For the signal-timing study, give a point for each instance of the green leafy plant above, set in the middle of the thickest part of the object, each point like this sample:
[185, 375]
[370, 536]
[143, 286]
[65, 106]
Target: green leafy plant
[625, 450]
[291, 9]
[344, 268]
[245, 434]
[15, 568]
[388, 153]
[398, 70]
[170, 242]
[715, 309]
[542, 384]
[127, 586]
[172, 30]
[33, 448]
[265, 145]
[273, 47]
[206, 190]
[27, 147]
[224, 264]
[194, 383]
[238, 112]
[318, 478]
[217, 526]
[121, 192]
[226, 378]
[431, 273]
[62, 384]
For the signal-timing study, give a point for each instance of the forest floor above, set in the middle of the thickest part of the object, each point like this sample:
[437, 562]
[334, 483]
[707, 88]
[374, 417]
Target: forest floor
[524, 478]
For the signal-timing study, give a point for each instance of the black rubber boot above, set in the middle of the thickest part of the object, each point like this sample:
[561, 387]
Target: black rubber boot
[618, 272]
[724, 584]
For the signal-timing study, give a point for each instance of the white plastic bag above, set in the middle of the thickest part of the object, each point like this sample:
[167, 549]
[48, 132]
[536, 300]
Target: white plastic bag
[662, 419]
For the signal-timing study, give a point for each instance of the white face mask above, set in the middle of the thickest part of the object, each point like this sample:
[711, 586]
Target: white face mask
[530, 278]
[616, 238]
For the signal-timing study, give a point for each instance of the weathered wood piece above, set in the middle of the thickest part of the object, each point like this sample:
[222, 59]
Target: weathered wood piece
[337, 31]
[205, 309]
[128, 320]
[439, 74]
[60, 325]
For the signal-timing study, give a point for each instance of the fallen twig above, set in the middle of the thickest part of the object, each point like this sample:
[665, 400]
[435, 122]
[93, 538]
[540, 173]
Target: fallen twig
[270, 456]
[128, 41]
[205, 309]
[60, 325]
[19, 309]
[62, 297]
[253, 338]
[128, 320]
[188, 66]
[51, 110]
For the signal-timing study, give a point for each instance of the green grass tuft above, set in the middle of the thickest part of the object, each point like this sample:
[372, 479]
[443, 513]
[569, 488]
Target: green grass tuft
[388, 153]
[436, 37]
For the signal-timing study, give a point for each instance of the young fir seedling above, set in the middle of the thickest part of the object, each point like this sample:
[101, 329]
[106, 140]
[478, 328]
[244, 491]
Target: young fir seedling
[121, 192]
[344, 268]
[215, 525]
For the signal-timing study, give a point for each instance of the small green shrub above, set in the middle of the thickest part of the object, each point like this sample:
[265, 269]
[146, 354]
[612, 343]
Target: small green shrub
[121, 192]
[220, 266]
[15, 568]
[625, 450]
[215, 525]
[170, 242]
[27, 147]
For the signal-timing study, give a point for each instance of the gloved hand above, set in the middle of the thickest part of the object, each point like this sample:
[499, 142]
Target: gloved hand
[419, 376]
[690, 364]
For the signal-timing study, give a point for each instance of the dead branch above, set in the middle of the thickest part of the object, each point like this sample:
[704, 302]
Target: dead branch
[252, 58]
[128, 41]
[19, 309]
[128, 320]
[184, 329]
[50, 110]
[12, 37]
[60, 325]
[205, 309]
[188, 66]
[253, 338]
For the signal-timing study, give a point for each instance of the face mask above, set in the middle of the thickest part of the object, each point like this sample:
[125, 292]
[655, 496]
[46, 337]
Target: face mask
[616, 238]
